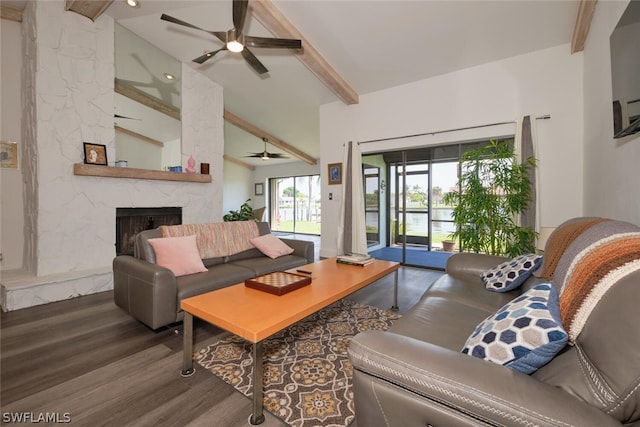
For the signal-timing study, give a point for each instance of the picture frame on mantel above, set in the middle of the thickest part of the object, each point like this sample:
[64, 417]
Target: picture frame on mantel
[335, 173]
[95, 154]
[259, 189]
[9, 154]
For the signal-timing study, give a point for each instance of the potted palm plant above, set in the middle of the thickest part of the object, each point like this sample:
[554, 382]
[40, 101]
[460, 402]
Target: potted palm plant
[493, 189]
[245, 213]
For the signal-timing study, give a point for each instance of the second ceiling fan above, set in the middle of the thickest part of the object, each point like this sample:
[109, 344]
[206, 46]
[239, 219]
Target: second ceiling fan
[265, 155]
[236, 41]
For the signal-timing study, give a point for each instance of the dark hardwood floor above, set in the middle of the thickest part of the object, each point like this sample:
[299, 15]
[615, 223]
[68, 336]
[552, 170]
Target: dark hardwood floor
[87, 359]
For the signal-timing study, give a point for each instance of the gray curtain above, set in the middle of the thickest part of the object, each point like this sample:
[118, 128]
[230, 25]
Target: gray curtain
[528, 217]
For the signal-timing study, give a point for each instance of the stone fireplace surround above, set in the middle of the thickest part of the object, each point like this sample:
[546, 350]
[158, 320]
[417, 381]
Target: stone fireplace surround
[68, 98]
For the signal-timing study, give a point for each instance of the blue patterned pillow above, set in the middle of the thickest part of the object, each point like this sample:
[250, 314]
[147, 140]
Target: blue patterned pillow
[511, 274]
[524, 335]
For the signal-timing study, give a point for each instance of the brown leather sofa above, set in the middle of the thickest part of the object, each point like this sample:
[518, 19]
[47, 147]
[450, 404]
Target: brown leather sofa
[152, 294]
[415, 374]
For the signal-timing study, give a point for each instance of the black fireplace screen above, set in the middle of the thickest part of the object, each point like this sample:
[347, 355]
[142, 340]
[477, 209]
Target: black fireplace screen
[131, 221]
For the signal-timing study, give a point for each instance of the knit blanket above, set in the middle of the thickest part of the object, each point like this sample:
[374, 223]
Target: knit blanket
[216, 239]
[560, 240]
[591, 266]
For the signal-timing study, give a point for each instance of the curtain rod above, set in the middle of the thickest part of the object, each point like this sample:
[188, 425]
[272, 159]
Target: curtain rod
[544, 117]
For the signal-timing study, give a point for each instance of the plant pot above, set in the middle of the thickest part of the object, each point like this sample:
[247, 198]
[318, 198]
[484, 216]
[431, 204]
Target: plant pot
[448, 245]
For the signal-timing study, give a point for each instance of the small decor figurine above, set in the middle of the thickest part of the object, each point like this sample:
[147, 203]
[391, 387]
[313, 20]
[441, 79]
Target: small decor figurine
[191, 165]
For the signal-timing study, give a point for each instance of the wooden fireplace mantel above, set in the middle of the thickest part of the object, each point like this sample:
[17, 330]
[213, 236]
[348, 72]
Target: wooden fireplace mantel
[135, 173]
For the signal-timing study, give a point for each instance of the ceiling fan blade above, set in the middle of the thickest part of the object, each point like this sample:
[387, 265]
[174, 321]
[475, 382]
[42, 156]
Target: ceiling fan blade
[222, 36]
[202, 59]
[119, 116]
[277, 156]
[239, 14]
[272, 43]
[253, 61]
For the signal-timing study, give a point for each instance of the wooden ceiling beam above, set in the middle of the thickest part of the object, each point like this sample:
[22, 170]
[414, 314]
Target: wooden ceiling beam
[583, 22]
[275, 22]
[142, 97]
[238, 162]
[259, 133]
[138, 136]
[89, 8]
[10, 13]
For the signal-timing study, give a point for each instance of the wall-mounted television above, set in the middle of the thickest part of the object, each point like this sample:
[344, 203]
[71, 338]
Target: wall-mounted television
[625, 72]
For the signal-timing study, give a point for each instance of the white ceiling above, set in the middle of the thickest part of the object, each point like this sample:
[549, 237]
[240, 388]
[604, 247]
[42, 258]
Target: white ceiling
[372, 44]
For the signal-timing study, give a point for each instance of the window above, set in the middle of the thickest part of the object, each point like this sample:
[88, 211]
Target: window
[295, 204]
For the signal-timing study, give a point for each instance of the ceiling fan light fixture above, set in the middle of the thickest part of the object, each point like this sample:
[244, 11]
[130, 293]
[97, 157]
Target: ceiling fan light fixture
[234, 44]
[265, 156]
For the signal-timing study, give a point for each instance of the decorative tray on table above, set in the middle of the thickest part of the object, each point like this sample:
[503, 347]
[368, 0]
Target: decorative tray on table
[278, 283]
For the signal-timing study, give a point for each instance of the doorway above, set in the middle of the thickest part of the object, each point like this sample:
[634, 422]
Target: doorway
[417, 221]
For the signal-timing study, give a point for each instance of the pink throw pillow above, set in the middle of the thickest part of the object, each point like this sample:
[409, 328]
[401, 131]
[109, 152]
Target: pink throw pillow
[271, 246]
[178, 254]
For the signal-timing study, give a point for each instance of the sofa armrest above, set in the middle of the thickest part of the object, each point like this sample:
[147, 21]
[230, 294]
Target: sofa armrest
[401, 378]
[472, 263]
[146, 291]
[302, 248]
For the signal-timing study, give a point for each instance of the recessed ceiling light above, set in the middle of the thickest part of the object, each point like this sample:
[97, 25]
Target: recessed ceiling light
[133, 3]
[169, 76]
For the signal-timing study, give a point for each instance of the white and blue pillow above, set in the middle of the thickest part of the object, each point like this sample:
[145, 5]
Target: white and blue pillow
[524, 335]
[511, 274]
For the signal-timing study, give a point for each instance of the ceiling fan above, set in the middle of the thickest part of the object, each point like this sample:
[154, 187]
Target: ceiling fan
[265, 155]
[236, 41]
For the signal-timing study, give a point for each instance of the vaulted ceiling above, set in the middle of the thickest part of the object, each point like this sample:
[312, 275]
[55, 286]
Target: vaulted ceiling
[350, 48]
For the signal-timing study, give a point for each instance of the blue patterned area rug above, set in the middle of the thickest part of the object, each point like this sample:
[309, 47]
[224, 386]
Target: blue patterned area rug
[307, 373]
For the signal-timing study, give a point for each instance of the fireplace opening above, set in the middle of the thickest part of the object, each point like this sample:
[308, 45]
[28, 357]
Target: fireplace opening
[131, 221]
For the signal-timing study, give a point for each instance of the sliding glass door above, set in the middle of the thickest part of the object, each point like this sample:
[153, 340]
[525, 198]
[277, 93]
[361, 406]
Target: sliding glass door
[410, 203]
[372, 203]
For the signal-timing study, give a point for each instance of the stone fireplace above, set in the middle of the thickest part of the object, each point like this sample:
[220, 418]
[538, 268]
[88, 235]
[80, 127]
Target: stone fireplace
[70, 219]
[131, 221]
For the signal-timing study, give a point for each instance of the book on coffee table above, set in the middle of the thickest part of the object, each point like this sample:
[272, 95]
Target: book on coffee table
[355, 259]
[278, 283]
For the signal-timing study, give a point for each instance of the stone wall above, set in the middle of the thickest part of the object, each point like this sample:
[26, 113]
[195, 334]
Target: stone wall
[71, 233]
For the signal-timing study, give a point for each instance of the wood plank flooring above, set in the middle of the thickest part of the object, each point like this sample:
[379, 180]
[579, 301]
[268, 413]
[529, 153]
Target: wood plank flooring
[87, 358]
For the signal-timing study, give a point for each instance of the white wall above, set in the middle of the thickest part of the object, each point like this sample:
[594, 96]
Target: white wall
[11, 201]
[611, 178]
[543, 82]
[238, 187]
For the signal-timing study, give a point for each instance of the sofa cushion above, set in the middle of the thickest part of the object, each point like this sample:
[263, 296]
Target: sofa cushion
[215, 278]
[440, 321]
[178, 254]
[524, 335]
[263, 265]
[470, 292]
[511, 274]
[271, 246]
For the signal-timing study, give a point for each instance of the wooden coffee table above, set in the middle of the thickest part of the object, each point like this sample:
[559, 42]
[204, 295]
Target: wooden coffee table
[256, 315]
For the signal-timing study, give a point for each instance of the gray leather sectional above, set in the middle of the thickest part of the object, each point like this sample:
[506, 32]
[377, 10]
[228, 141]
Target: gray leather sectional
[152, 294]
[415, 374]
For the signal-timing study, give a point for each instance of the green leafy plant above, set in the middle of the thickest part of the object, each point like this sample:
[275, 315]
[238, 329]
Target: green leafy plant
[244, 214]
[493, 189]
